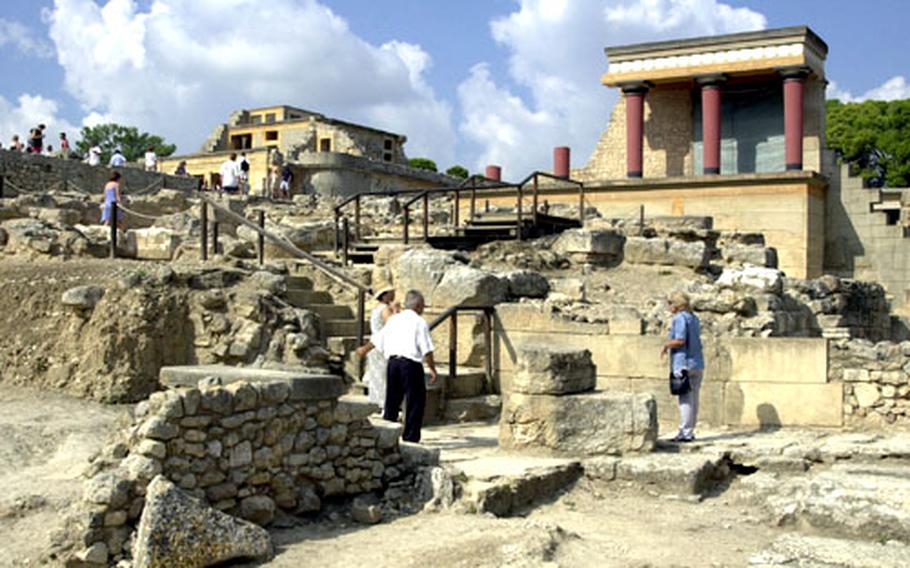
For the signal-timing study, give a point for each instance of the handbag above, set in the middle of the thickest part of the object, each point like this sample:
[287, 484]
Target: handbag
[679, 384]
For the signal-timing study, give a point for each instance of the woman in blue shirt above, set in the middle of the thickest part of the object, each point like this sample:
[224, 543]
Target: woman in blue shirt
[684, 346]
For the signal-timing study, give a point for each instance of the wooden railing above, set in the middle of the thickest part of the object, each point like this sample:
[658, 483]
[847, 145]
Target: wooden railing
[362, 291]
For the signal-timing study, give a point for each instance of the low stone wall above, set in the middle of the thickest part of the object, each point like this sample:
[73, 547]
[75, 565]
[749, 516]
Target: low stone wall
[248, 449]
[34, 173]
[876, 381]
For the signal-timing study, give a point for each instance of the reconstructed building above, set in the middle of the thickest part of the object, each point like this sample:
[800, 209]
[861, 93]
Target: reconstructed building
[327, 155]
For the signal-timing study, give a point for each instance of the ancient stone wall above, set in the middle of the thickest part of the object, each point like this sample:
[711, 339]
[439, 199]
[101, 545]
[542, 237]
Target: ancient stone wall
[33, 173]
[249, 449]
[876, 381]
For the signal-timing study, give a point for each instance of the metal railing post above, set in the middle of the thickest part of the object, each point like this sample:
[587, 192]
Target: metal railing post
[361, 312]
[426, 216]
[407, 221]
[473, 209]
[581, 204]
[488, 349]
[536, 190]
[344, 241]
[214, 238]
[457, 212]
[453, 344]
[261, 240]
[357, 217]
[518, 225]
[2, 179]
[115, 212]
[204, 220]
[641, 219]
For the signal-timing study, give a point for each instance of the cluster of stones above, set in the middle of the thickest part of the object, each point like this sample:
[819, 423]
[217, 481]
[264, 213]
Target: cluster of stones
[551, 407]
[876, 380]
[247, 449]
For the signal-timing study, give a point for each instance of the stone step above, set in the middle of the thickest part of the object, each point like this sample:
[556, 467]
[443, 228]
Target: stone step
[303, 385]
[298, 282]
[468, 382]
[332, 311]
[305, 298]
[505, 485]
[474, 409]
[667, 473]
[340, 327]
[342, 344]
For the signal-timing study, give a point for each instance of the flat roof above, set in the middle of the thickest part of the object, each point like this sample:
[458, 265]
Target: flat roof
[713, 41]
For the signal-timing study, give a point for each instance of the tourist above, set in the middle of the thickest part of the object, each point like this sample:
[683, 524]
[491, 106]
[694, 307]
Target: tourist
[376, 361]
[117, 159]
[50, 150]
[287, 176]
[684, 346]
[151, 160]
[94, 156]
[111, 196]
[16, 145]
[181, 169]
[64, 146]
[244, 174]
[230, 174]
[405, 340]
[36, 139]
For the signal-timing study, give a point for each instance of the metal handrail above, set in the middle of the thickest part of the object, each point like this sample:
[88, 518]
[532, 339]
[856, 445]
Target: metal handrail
[288, 246]
[451, 314]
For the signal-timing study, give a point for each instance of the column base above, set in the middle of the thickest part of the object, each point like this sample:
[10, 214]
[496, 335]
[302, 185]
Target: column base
[791, 167]
[633, 174]
[711, 171]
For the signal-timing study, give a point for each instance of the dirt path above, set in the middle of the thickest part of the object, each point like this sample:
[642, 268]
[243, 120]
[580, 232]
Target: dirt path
[46, 440]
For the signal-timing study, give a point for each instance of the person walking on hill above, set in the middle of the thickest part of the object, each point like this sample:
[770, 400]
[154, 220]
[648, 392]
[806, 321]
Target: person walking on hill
[94, 156]
[244, 174]
[287, 176]
[151, 160]
[405, 340]
[111, 196]
[16, 145]
[686, 358]
[117, 159]
[64, 146]
[230, 174]
[377, 364]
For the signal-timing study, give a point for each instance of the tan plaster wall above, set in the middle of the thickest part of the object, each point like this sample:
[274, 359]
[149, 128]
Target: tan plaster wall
[748, 381]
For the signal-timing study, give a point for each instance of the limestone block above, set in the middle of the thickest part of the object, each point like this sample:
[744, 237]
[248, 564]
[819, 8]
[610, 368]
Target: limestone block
[641, 250]
[527, 284]
[594, 246]
[866, 394]
[154, 243]
[82, 297]
[742, 254]
[579, 424]
[179, 530]
[469, 286]
[422, 270]
[752, 278]
[568, 288]
[61, 217]
[547, 370]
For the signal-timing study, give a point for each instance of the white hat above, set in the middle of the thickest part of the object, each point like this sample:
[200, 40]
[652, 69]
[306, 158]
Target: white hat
[382, 291]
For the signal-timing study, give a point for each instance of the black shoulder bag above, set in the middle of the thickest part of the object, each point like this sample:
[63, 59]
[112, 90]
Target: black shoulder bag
[680, 385]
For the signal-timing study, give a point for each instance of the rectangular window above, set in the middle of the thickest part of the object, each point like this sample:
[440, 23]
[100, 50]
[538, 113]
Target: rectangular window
[387, 145]
[241, 141]
[387, 157]
[271, 135]
[270, 118]
[325, 144]
[256, 119]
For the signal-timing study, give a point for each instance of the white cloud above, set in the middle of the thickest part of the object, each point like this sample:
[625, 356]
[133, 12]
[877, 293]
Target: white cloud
[895, 88]
[19, 36]
[182, 66]
[26, 113]
[556, 53]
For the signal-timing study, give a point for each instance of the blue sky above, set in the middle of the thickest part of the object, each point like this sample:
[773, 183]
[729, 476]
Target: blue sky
[469, 81]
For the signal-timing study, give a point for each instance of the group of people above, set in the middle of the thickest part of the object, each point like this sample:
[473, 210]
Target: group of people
[235, 174]
[400, 344]
[34, 144]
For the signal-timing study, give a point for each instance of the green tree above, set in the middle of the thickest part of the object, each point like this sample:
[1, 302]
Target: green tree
[875, 137]
[423, 164]
[133, 143]
[458, 171]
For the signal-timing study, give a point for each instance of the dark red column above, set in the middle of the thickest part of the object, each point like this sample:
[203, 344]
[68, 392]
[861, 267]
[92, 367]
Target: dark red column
[794, 80]
[710, 125]
[561, 161]
[493, 173]
[635, 126]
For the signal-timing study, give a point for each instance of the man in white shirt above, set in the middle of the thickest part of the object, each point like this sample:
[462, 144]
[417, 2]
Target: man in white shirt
[405, 341]
[151, 160]
[230, 174]
[117, 159]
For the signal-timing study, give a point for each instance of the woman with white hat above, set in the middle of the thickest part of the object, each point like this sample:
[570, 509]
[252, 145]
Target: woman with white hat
[375, 377]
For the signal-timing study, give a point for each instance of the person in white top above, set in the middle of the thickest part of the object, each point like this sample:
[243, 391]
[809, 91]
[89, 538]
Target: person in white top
[94, 156]
[151, 160]
[230, 174]
[406, 341]
[117, 159]
[376, 360]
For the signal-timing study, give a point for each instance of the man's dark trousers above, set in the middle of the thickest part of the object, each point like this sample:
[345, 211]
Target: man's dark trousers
[405, 381]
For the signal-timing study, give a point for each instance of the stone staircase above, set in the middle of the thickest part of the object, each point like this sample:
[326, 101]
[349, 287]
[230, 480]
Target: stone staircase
[452, 399]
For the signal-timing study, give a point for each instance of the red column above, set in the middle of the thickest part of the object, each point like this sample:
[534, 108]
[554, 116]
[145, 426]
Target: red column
[793, 118]
[561, 161]
[493, 173]
[710, 126]
[635, 126]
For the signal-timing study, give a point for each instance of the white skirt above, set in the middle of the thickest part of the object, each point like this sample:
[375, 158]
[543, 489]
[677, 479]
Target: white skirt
[375, 377]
